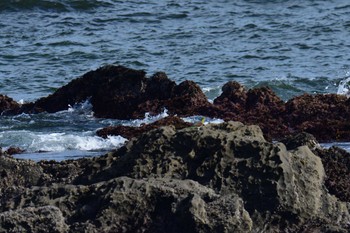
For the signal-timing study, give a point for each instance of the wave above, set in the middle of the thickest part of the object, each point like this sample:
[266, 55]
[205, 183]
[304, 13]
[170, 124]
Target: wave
[344, 87]
[33, 142]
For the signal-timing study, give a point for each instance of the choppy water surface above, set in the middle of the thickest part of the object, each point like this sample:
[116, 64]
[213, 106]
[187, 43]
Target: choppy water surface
[293, 46]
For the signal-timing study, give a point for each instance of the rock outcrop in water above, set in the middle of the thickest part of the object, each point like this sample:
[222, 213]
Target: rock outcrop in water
[256, 106]
[129, 132]
[8, 105]
[215, 178]
[122, 93]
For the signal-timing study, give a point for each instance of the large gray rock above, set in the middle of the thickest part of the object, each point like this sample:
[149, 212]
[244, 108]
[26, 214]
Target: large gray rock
[213, 178]
[32, 219]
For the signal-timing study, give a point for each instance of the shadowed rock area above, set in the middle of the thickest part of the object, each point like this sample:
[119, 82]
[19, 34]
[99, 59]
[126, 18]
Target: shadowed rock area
[122, 93]
[213, 178]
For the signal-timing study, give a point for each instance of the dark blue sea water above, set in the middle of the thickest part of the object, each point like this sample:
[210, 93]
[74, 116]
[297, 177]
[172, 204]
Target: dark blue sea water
[292, 46]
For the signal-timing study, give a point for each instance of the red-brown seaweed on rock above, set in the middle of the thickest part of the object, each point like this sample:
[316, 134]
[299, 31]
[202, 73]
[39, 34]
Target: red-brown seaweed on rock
[122, 93]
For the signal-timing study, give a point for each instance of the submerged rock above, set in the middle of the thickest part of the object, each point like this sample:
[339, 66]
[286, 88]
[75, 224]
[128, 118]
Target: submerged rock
[130, 131]
[213, 178]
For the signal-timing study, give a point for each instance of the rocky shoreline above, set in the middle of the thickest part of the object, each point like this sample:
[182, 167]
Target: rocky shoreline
[213, 178]
[112, 88]
[174, 176]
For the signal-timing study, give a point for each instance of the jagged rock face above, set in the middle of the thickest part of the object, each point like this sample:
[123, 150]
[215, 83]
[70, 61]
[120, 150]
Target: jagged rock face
[213, 178]
[147, 205]
[233, 158]
[32, 219]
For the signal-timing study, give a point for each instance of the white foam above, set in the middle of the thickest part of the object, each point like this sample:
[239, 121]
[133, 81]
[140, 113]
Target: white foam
[344, 145]
[84, 107]
[344, 87]
[207, 120]
[147, 119]
[55, 142]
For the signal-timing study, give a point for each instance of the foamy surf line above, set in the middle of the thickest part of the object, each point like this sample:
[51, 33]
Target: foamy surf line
[34, 142]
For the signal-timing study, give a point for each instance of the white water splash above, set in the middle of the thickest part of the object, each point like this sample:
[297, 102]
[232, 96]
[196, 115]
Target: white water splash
[148, 119]
[344, 86]
[212, 92]
[58, 142]
[84, 107]
[207, 120]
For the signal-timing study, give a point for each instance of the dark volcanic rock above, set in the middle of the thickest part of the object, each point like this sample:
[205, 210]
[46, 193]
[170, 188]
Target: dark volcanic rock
[8, 105]
[122, 93]
[130, 131]
[214, 178]
[337, 166]
[13, 150]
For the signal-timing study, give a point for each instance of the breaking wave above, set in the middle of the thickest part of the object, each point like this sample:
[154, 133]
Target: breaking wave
[58, 142]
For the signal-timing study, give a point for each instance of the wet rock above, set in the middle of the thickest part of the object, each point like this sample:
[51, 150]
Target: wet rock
[33, 219]
[324, 116]
[8, 105]
[130, 131]
[259, 106]
[122, 93]
[13, 150]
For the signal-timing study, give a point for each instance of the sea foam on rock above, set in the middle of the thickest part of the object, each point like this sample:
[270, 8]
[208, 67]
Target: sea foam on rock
[214, 178]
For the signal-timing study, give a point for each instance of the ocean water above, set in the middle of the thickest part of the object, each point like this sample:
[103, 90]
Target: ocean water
[292, 46]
